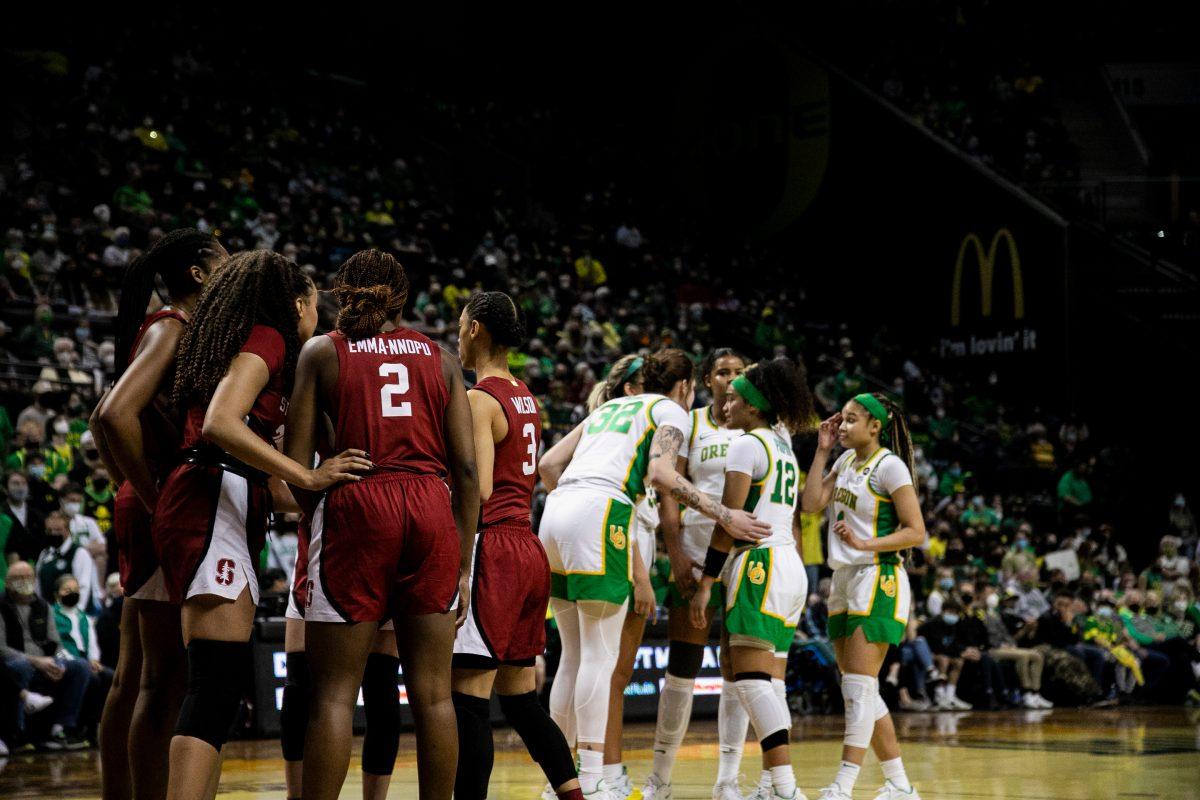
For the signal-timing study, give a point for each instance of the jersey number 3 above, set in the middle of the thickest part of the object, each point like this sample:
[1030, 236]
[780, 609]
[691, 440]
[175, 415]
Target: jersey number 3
[388, 392]
[530, 433]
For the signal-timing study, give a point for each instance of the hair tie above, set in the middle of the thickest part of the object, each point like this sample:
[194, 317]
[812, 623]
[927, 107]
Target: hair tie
[751, 394]
[634, 366]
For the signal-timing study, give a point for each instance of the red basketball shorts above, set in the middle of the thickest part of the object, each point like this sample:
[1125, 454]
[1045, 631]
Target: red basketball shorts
[510, 587]
[136, 562]
[383, 546]
[209, 528]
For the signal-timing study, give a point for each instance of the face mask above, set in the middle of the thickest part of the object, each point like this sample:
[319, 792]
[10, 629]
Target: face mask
[1180, 606]
[22, 587]
[1151, 609]
[968, 599]
[62, 427]
[1104, 611]
[45, 319]
[1135, 607]
[38, 471]
[82, 334]
[993, 601]
[72, 509]
[1179, 501]
[950, 619]
[18, 494]
[69, 600]
[946, 583]
[1022, 544]
[100, 484]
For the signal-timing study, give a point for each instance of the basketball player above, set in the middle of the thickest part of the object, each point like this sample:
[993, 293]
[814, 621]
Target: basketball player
[396, 544]
[138, 439]
[875, 514]
[505, 630]
[236, 362]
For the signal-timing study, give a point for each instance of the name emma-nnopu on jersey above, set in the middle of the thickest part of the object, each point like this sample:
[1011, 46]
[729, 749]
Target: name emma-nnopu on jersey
[389, 347]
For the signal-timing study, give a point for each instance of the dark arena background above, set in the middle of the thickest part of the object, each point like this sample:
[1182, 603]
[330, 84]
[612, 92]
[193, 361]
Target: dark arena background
[989, 211]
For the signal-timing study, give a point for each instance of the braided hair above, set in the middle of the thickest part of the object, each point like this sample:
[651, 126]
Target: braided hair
[372, 288]
[170, 258]
[255, 287]
[785, 385]
[895, 433]
[617, 377]
[497, 312]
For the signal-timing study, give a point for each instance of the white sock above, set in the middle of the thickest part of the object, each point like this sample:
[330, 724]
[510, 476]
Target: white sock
[846, 776]
[894, 771]
[764, 779]
[732, 723]
[591, 769]
[784, 780]
[674, 711]
[612, 773]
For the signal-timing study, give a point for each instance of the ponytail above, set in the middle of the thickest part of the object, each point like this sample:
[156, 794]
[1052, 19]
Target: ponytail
[895, 433]
[170, 258]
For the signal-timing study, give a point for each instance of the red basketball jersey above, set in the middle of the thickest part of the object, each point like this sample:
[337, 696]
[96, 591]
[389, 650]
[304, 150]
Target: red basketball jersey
[269, 411]
[391, 400]
[515, 470]
[160, 435]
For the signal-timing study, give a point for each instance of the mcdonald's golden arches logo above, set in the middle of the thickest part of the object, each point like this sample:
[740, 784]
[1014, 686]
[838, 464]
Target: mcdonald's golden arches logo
[987, 268]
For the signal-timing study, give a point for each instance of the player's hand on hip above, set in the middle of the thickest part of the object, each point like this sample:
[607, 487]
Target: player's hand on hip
[345, 466]
[744, 526]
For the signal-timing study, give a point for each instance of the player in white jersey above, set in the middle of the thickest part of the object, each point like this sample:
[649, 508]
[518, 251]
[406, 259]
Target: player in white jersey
[597, 476]
[766, 585]
[708, 444]
[874, 515]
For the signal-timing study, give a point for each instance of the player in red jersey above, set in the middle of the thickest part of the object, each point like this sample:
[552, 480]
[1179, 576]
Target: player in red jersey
[510, 577]
[398, 543]
[236, 363]
[138, 439]
[381, 700]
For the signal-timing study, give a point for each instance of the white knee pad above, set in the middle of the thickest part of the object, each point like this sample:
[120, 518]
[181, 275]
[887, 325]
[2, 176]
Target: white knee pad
[881, 708]
[780, 689]
[860, 693]
[762, 704]
[674, 711]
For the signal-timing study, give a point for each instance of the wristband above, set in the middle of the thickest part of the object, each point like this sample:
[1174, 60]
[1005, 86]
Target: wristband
[714, 562]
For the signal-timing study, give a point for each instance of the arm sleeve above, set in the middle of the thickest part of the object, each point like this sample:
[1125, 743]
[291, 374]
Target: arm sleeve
[667, 412]
[266, 343]
[891, 475]
[748, 455]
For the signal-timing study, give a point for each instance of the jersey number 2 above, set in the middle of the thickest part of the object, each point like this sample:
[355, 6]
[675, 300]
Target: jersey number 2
[388, 391]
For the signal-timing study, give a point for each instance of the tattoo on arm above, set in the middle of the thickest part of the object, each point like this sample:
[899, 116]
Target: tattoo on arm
[666, 442]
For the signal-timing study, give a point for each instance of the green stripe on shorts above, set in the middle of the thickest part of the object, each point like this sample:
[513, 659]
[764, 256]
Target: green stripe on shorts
[746, 616]
[880, 625]
[613, 584]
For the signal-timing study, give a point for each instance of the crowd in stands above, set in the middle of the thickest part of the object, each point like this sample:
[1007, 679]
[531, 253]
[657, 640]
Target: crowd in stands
[1024, 591]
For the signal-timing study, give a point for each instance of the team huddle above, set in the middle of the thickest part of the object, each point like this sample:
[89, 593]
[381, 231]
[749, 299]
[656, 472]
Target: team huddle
[416, 548]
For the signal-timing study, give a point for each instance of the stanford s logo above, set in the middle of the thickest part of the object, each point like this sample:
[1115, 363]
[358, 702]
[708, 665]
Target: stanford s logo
[986, 261]
[225, 571]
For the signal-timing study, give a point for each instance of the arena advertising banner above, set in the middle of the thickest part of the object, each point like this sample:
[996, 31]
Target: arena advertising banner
[883, 221]
[641, 696]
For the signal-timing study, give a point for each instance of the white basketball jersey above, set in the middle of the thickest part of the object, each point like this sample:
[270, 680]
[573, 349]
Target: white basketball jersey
[862, 498]
[767, 458]
[708, 447]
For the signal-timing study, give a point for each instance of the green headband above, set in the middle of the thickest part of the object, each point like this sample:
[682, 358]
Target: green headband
[634, 366]
[750, 393]
[872, 404]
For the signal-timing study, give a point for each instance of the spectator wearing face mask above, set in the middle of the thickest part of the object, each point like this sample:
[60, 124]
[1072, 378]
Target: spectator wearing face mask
[1145, 626]
[84, 529]
[1172, 565]
[1058, 629]
[941, 591]
[1020, 558]
[80, 641]
[26, 536]
[982, 679]
[64, 555]
[1027, 663]
[30, 652]
[1138, 667]
[941, 634]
